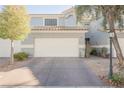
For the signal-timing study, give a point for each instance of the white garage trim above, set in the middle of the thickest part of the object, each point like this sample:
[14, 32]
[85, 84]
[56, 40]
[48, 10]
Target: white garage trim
[56, 47]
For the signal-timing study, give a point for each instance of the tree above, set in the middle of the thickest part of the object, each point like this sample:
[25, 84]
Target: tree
[112, 14]
[14, 25]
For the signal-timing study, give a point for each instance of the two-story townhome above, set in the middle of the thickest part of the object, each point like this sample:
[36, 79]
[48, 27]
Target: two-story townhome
[52, 35]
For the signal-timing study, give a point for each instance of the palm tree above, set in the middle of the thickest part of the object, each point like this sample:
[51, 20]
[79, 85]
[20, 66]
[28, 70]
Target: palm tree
[112, 14]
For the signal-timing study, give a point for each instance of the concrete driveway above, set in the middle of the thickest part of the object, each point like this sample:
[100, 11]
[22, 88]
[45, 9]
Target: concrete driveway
[51, 72]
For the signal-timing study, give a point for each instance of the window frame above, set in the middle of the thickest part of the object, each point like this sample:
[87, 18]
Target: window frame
[50, 24]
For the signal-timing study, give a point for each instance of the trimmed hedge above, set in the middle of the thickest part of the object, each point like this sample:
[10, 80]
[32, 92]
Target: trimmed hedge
[21, 56]
[101, 52]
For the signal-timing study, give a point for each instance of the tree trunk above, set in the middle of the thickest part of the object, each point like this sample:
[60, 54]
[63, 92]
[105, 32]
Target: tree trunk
[118, 50]
[115, 39]
[12, 52]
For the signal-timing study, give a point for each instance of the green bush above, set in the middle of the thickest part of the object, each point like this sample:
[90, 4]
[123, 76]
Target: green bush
[104, 51]
[101, 52]
[20, 56]
[117, 79]
[93, 52]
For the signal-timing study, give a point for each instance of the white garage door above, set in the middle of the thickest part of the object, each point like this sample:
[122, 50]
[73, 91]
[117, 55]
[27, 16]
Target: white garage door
[56, 47]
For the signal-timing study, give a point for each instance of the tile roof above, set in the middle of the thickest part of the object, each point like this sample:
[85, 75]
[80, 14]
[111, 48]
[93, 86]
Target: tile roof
[58, 28]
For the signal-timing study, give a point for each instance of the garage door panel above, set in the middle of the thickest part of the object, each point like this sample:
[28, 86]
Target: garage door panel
[56, 47]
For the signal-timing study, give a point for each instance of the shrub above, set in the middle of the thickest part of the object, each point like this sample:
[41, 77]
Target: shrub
[104, 51]
[101, 52]
[94, 52]
[20, 56]
[117, 79]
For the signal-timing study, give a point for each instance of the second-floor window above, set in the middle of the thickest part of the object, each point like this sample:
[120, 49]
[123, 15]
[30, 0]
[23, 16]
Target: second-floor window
[50, 22]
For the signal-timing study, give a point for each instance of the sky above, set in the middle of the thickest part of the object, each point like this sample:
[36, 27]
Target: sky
[45, 9]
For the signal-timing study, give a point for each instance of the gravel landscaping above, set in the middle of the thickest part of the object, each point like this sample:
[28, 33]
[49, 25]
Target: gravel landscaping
[100, 65]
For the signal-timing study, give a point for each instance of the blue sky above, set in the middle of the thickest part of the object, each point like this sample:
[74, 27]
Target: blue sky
[45, 9]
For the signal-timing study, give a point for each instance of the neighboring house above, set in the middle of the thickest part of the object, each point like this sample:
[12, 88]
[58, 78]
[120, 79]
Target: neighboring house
[52, 35]
[100, 39]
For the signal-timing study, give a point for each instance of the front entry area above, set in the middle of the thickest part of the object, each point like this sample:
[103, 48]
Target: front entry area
[56, 47]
